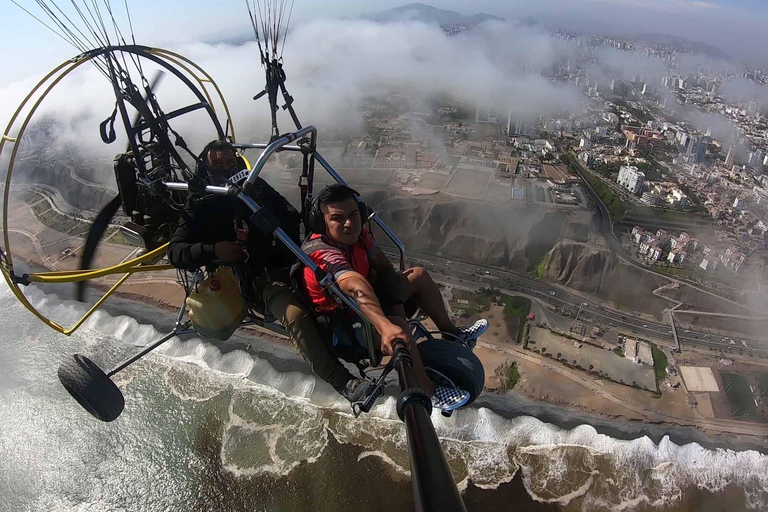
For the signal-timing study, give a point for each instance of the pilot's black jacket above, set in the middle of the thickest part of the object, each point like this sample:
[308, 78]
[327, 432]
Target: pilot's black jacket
[210, 219]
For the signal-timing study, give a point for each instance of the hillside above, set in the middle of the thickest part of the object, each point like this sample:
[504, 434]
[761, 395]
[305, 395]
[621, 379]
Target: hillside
[428, 14]
[510, 237]
[602, 274]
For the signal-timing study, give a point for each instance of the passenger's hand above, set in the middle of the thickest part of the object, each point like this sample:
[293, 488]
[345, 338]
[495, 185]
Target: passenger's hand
[389, 334]
[229, 252]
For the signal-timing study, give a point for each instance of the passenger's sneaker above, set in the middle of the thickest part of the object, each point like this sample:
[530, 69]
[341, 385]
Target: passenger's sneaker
[356, 390]
[449, 399]
[470, 333]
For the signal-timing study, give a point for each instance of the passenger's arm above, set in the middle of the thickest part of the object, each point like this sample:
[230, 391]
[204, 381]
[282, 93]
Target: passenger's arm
[357, 287]
[188, 248]
[186, 251]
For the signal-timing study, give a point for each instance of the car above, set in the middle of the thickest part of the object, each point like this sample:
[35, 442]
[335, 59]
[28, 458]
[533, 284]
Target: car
[585, 304]
[645, 325]
[670, 332]
[487, 272]
[553, 293]
[731, 342]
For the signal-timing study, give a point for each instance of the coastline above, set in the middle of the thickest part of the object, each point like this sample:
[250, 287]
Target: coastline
[279, 352]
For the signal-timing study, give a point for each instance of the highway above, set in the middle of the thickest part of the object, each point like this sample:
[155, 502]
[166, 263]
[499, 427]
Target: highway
[558, 299]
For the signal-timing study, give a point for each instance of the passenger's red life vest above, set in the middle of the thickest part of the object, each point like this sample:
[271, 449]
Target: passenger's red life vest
[334, 258]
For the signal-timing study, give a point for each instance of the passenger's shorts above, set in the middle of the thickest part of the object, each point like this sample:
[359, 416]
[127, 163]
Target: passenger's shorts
[410, 306]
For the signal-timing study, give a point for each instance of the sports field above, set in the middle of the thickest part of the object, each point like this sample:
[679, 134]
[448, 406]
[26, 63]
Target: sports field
[740, 396]
[699, 378]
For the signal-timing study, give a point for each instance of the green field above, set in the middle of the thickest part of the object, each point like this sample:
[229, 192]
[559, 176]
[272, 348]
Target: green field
[659, 362]
[61, 223]
[513, 375]
[515, 308]
[30, 196]
[762, 383]
[740, 396]
[616, 207]
[64, 224]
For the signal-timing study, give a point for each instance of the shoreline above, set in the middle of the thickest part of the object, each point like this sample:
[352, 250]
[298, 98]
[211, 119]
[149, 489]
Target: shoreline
[281, 354]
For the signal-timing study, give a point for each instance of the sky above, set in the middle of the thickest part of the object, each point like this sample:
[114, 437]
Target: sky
[333, 64]
[738, 27]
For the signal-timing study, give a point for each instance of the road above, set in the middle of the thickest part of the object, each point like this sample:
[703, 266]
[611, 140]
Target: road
[605, 226]
[510, 282]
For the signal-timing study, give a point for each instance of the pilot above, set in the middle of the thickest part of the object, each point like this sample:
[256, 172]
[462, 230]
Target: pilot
[215, 230]
[341, 246]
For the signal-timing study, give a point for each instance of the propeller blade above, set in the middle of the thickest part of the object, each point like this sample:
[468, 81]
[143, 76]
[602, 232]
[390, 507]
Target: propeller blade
[100, 225]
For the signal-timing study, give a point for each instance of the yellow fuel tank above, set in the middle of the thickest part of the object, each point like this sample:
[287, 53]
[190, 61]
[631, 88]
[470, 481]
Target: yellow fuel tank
[216, 308]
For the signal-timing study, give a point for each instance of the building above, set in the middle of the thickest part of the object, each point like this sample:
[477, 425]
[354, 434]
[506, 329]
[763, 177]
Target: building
[708, 264]
[730, 158]
[586, 157]
[756, 158]
[732, 259]
[485, 114]
[651, 199]
[585, 144]
[637, 234]
[631, 178]
[520, 125]
[678, 198]
[683, 242]
[676, 255]
[697, 149]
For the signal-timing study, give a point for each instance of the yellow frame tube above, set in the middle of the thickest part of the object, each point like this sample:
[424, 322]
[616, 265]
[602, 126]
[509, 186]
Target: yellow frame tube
[180, 60]
[129, 267]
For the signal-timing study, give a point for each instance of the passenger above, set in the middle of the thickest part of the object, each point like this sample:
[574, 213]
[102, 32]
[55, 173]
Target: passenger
[342, 247]
[215, 230]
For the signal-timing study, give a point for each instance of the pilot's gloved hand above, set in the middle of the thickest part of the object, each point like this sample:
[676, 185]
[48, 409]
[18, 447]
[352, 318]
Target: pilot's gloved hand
[229, 252]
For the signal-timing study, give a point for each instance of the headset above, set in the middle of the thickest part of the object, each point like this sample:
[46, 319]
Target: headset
[315, 221]
[203, 170]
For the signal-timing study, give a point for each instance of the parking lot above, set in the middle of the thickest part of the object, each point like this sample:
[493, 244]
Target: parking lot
[594, 359]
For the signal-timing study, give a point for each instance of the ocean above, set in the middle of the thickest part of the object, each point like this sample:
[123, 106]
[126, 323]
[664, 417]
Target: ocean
[223, 428]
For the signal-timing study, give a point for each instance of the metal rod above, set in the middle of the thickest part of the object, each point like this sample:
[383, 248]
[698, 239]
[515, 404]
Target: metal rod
[305, 260]
[277, 144]
[375, 217]
[179, 330]
[434, 489]
[240, 145]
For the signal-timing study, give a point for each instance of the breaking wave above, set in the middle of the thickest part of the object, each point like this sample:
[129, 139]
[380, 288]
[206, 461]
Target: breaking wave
[277, 420]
